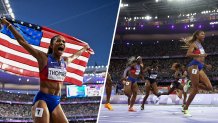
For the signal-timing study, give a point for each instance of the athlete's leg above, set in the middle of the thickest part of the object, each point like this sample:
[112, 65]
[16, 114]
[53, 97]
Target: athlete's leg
[40, 112]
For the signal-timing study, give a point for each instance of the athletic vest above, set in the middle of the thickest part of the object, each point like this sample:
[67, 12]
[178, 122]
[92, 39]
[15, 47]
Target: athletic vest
[135, 70]
[54, 71]
[152, 74]
[200, 49]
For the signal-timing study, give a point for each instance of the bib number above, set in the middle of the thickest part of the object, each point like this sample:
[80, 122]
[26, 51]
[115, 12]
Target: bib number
[137, 72]
[153, 76]
[202, 51]
[39, 112]
[194, 71]
[56, 74]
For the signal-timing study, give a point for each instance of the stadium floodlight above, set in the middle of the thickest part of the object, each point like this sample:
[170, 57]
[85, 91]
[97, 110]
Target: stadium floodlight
[148, 17]
[6, 1]
[156, 1]
[155, 17]
[12, 15]
[9, 9]
[122, 5]
[8, 5]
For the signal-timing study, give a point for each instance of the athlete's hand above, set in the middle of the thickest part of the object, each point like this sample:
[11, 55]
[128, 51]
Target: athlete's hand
[4, 21]
[86, 47]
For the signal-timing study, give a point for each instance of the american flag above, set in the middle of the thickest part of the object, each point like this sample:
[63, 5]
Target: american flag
[15, 59]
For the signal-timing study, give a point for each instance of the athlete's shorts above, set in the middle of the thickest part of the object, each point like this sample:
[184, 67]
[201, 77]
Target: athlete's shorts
[133, 80]
[195, 62]
[52, 101]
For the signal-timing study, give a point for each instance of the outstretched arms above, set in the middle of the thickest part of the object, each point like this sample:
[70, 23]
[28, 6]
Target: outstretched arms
[76, 55]
[34, 52]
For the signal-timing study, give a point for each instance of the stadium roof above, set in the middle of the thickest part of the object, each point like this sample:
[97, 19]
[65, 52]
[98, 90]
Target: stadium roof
[163, 8]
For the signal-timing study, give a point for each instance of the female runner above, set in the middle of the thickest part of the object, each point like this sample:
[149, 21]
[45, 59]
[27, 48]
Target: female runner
[46, 104]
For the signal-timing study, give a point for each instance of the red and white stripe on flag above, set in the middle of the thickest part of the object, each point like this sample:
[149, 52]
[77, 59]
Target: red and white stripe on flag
[15, 59]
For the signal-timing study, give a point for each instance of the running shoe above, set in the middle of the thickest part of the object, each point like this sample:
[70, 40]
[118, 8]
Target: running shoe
[108, 106]
[132, 110]
[142, 107]
[183, 107]
[187, 114]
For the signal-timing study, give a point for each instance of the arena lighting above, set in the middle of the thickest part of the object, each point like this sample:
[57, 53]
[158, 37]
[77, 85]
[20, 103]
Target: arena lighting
[122, 5]
[172, 27]
[6, 2]
[9, 9]
[178, 0]
[148, 17]
[156, 1]
[27, 80]
[215, 22]
[199, 26]
[19, 79]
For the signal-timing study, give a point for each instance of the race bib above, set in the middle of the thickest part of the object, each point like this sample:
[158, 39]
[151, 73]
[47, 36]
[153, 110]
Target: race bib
[180, 80]
[153, 76]
[202, 50]
[137, 72]
[39, 112]
[56, 74]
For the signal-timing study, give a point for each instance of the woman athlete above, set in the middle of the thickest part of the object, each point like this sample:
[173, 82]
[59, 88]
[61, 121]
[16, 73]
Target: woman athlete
[46, 104]
[108, 88]
[180, 76]
[150, 82]
[133, 71]
[199, 79]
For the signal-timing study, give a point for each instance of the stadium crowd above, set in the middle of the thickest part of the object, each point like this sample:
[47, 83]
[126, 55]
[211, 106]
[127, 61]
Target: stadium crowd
[163, 54]
[24, 110]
